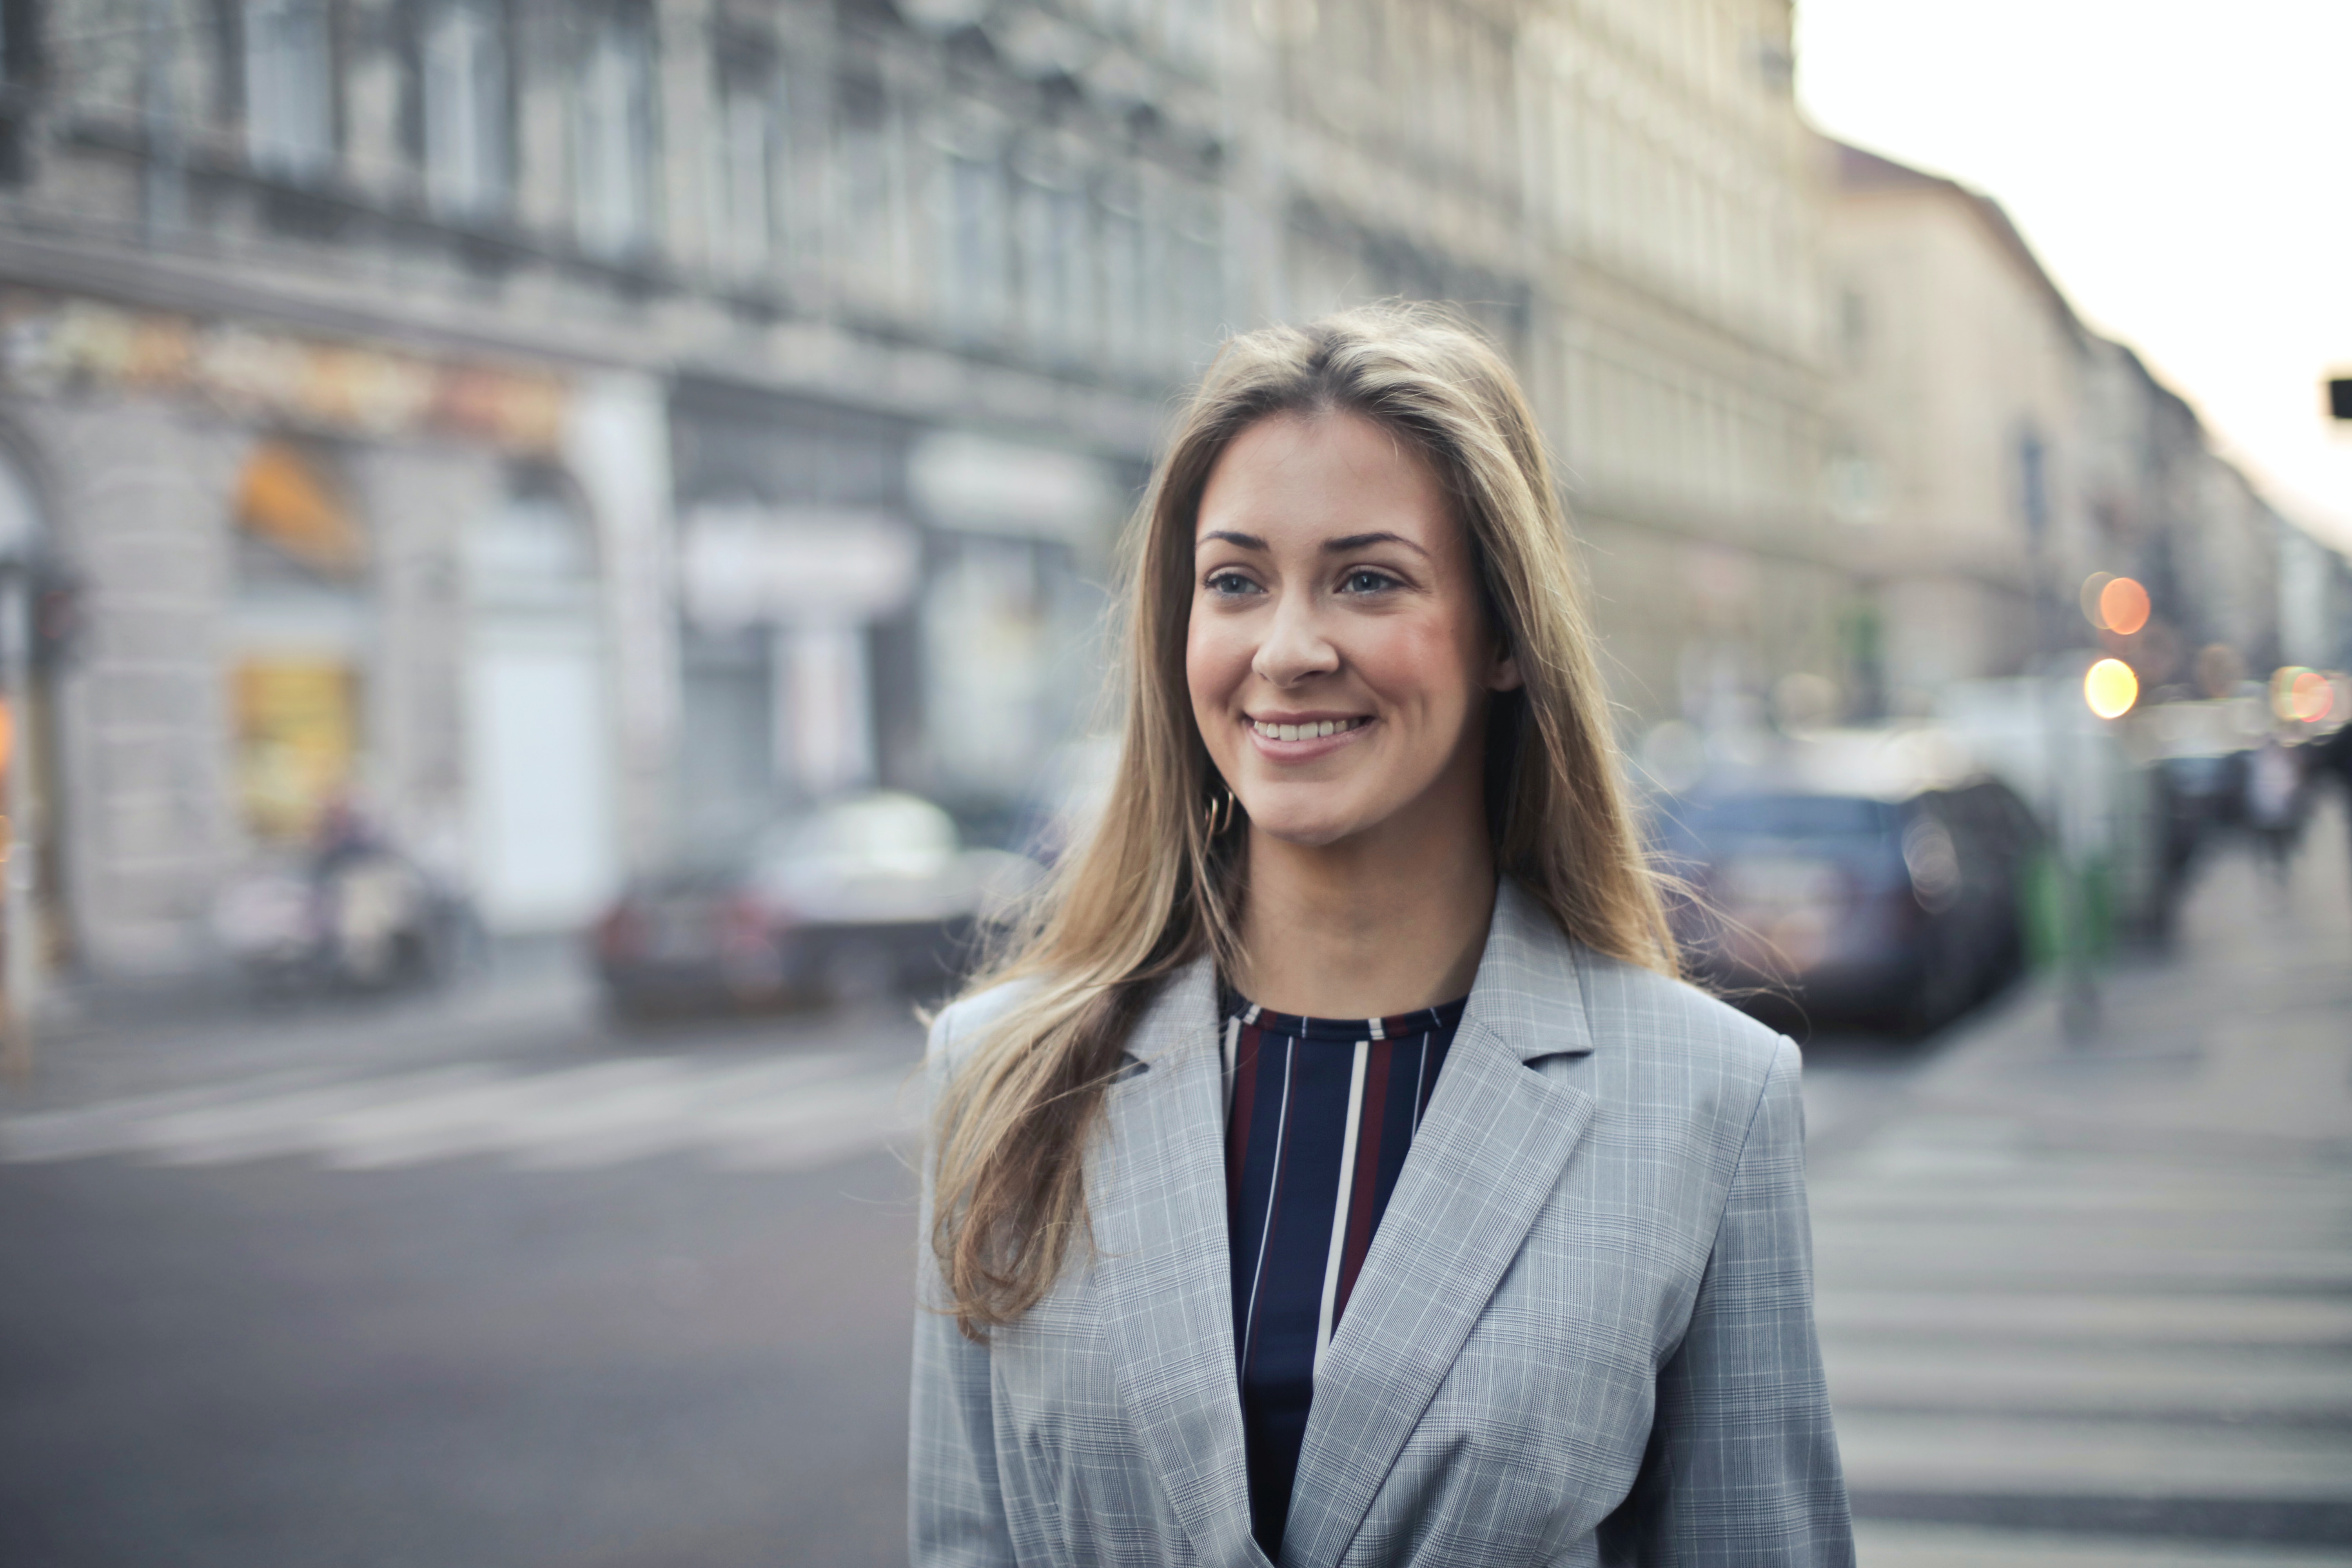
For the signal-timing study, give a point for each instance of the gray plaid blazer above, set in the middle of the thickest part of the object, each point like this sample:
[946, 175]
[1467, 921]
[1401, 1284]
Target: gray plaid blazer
[1583, 1334]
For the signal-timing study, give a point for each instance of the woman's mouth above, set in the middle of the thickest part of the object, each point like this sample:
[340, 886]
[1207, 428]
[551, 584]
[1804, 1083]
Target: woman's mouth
[1307, 730]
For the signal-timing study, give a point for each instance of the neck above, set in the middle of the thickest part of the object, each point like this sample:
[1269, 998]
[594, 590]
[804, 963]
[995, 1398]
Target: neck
[1382, 923]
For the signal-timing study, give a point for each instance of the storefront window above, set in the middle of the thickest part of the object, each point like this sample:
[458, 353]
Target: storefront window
[297, 737]
[300, 634]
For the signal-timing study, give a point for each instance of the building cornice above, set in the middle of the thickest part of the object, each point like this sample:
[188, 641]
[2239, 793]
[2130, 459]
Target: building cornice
[801, 357]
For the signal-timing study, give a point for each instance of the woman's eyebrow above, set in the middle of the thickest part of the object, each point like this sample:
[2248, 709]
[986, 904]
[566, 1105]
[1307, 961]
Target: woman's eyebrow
[1246, 540]
[1361, 541]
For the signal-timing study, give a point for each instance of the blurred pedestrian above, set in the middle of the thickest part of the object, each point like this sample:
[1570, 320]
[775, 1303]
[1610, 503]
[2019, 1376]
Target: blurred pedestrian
[2332, 757]
[1364, 885]
[2273, 799]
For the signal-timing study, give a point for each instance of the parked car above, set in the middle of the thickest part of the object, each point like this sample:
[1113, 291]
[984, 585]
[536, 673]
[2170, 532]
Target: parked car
[865, 896]
[1901, 912]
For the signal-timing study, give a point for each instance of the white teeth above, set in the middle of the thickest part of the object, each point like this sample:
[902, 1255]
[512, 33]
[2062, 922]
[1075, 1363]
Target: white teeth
[1314, 730]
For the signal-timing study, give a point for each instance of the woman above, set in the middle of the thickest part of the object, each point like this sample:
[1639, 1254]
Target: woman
[1337, 1172]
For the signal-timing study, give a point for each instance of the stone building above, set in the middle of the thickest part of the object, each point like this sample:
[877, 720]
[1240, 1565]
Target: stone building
[1625, 196]
[567, 429]
[1992, 453]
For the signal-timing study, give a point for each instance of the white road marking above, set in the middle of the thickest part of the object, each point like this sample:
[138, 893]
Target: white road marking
[768, 1113]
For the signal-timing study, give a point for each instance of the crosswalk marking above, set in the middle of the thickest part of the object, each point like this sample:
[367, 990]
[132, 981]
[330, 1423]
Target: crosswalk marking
[1947, 1451]
[1885, 1544]
[1999, 1318]
[2036, 1316]
[772, 1113]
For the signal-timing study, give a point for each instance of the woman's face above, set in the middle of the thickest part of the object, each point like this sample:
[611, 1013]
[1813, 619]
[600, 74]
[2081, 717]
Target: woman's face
[1339, 663]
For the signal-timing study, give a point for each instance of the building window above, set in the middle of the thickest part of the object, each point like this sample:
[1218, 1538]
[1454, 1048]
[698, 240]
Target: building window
[747, 148]
[465, 81]
[289, 110]
[1125, 306]
[864, 215]
[1196, 265]
[20, 73]
[976, 251]
[1057, 282]
[614, 194]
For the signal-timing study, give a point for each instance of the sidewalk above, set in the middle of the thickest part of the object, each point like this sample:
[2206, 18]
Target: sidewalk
[2090, 1303]
[534, 1009]
[528, 998]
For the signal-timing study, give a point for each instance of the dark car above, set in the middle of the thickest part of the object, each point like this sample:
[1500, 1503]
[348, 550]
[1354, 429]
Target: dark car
[865, 896]
[1901, 912]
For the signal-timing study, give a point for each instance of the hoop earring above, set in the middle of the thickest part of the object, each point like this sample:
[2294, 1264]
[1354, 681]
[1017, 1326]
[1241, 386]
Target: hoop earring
[1219, 815]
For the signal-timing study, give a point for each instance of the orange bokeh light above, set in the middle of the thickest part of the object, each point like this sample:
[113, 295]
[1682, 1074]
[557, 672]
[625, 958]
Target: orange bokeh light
[2310, 699]
[2111, 689]
[2123, 606]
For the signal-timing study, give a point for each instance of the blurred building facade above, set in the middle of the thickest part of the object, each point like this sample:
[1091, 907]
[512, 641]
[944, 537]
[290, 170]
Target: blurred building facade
[566, 431]
[1990, 453]
[571, 430]
[1626, 197]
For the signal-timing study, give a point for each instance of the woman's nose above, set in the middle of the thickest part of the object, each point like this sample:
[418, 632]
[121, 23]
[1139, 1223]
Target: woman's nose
[1294, 647]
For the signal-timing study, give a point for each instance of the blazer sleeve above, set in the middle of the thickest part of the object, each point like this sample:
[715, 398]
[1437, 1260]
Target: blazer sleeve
[1742, 1464]
[955, 1512]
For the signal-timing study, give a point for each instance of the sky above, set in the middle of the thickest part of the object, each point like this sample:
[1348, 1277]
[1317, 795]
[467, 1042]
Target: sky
[2183, 170]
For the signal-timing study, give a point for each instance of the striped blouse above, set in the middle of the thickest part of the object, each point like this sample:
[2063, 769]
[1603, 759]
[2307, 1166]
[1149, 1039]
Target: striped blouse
[1319, 1113]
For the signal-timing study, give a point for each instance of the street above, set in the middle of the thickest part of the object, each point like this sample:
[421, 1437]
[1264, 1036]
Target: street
[2089, 1304]
[486, 1282]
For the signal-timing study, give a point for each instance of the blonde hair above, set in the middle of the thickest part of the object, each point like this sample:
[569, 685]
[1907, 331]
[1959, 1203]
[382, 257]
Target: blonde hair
[1153, 888]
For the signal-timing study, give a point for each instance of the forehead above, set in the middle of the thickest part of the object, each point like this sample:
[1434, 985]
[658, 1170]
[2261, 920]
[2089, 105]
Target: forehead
[1294, 478]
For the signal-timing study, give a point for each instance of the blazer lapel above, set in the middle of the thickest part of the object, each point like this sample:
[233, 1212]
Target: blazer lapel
[1487, 1155]
[1163, 1266]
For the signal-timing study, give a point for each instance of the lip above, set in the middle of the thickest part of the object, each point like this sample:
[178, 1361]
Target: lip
[1292, 753]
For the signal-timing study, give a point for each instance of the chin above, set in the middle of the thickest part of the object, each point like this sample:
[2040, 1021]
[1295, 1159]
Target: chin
[1308, 826]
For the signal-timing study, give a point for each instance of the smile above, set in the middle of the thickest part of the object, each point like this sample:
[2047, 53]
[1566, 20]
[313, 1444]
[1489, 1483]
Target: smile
[1311, 730]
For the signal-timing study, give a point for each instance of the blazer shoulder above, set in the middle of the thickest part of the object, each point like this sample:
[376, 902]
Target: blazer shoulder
[960, 1025]
[1672, 1026]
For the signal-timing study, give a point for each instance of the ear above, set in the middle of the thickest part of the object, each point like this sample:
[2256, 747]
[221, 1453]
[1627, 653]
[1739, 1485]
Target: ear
[1503, 674]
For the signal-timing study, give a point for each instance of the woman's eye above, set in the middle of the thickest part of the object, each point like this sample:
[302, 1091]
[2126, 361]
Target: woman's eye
[1364, 580]
[1230, 585]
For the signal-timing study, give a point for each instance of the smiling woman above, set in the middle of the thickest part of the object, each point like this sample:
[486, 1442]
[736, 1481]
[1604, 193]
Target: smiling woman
[1336, 1168]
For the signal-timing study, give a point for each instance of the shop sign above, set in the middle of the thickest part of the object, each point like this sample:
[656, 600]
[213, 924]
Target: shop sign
[52, 344]
[742, 564]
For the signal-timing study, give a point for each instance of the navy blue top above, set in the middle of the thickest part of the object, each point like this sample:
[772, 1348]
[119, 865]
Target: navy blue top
[1318, 1115]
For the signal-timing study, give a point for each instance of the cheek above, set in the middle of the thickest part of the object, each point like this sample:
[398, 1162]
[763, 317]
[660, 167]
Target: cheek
[1416, 663]
[1216, 659]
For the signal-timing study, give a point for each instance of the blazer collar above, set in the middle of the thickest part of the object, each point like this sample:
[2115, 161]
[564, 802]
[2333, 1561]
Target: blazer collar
[1486, 1158]
[1162, 1266]
[1488, 1153]
[1527, 992]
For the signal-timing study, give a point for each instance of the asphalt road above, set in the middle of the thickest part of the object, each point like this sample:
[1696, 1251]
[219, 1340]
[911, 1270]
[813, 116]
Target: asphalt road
[511, 1302]
[519, 1291]
[486, 1283]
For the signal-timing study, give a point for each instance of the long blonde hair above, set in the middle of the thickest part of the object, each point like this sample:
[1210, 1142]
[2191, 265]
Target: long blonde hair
[1153, 888]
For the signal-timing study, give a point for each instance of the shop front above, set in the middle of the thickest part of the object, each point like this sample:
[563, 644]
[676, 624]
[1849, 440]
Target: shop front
[323, 587]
